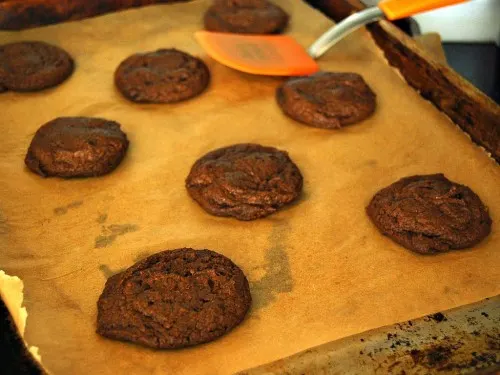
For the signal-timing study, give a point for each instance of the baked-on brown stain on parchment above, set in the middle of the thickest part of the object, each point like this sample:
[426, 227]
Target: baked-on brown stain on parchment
[102, 218]
[4, 228]
[64, 209]
[277, 277]
[109, 233]
[108, 272]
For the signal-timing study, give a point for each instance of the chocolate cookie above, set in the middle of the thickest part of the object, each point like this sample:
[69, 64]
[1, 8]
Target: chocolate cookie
[327, 100]
[246, 181]
[430, 214]
[76, 147]
[163, 76]
[245, 17]
[174, 299]
[33, 66]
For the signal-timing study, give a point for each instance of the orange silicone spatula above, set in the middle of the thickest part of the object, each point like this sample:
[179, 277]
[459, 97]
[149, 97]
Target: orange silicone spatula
[281, 55]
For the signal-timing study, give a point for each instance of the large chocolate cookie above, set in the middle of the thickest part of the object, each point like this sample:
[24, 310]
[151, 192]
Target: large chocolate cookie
[246, 181]
[245, 17]
[327, 100]
[163, 76]
[33, 66]
[430, 214]
[174, 299]
[76, 147]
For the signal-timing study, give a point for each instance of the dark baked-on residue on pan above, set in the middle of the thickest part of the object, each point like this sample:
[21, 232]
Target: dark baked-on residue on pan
[245, 181]
[245, 17]
[430, 214]
[327, 100]
[162, 76]
[76, 147]
[33, 66]
[174, 299]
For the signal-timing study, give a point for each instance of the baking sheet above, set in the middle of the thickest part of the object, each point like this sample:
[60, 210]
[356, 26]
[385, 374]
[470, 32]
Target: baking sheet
[319, 270]
[464, 340]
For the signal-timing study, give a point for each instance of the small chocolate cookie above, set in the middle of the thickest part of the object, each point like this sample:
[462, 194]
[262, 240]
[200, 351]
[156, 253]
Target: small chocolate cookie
[33, 66]
[327, 100]
[174, 299]
[245, 17]
[430, 214]
[76, 147]
[246, 181]
[163, 76]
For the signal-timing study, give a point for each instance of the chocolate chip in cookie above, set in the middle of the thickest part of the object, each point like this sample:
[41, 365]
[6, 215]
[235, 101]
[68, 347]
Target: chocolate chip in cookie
[327, 100]
[245, 181]
[163, 76]
[430, 214]
[174, 299]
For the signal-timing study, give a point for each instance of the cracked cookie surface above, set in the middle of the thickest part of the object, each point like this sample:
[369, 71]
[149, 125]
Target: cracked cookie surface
[245, 17]
[326, 99]
[76, 147]
[162, 76]
[430, 214]
[245, 181]
[33, 66]
[174, 299]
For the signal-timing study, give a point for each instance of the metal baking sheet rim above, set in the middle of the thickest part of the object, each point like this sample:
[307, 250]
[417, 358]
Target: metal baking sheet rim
[464, 340]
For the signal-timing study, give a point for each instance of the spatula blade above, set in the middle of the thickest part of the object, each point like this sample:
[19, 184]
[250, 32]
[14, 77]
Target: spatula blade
[275, 55]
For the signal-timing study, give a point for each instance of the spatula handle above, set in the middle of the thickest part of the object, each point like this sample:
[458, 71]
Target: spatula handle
[396, 9]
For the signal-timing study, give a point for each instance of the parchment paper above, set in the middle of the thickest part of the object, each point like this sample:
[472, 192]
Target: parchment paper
[319, 270]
